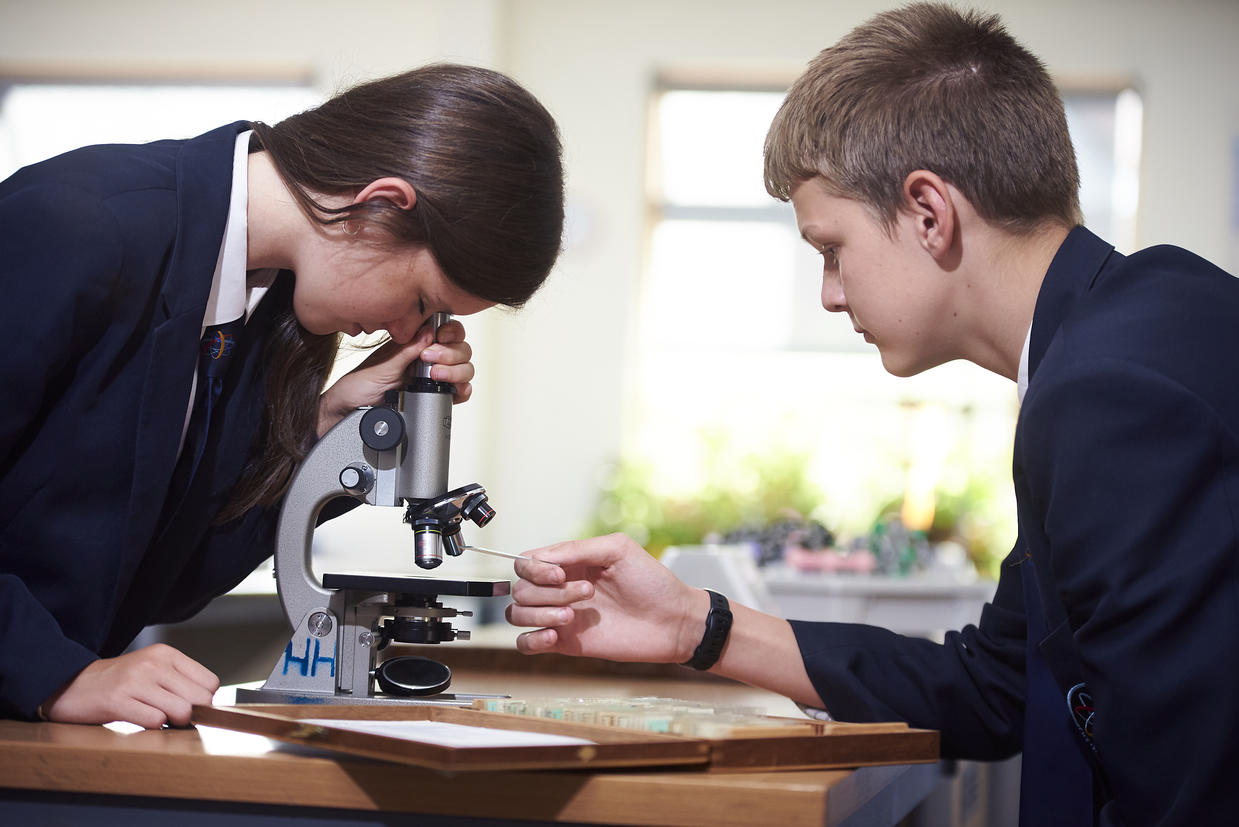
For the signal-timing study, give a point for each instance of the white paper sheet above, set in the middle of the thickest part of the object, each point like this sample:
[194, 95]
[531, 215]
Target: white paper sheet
[451, 735]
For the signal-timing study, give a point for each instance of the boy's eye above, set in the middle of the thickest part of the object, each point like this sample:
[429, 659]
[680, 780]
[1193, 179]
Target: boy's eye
[421, 306]
[830, 255]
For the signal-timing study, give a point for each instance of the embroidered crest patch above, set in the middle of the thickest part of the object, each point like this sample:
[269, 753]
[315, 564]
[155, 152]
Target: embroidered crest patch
[1080, 704]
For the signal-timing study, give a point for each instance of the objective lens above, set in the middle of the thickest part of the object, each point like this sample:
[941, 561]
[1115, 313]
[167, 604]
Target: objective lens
[427, 544]
[478, 509]
[453, 543]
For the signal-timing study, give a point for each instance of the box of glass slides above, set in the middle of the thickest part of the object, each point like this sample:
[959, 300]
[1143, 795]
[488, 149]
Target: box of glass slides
[579, 733]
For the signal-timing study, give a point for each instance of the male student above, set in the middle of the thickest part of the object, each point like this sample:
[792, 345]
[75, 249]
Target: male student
[928, 160]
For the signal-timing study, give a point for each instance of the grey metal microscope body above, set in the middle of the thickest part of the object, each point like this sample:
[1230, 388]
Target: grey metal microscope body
[395, 454]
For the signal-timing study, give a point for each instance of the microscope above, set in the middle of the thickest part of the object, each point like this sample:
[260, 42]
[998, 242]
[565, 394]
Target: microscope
[394, 454]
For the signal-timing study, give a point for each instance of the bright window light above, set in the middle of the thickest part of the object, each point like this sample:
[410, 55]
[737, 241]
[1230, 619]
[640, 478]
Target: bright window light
[710, 146]
[40, 120]
[1106, 130]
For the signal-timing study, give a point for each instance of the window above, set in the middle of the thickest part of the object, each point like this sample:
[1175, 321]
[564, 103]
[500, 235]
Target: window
[1105, 129]
[41, 119]
[739, 363]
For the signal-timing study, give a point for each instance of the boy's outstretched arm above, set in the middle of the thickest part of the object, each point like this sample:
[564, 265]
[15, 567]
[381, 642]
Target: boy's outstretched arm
[606, 597]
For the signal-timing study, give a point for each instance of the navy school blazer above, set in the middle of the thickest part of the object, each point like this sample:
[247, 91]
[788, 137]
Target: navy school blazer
[1110, 652]
[108, 255]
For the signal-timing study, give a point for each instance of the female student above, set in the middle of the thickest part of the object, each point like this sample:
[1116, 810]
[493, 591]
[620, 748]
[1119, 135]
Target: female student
[171, 313]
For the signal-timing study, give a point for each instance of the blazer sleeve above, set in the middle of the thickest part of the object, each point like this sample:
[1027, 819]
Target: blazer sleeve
[970, 687]
[1137, 477]
[58, 268]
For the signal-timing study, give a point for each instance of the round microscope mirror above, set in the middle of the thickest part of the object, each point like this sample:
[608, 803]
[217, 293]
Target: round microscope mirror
[411, 675]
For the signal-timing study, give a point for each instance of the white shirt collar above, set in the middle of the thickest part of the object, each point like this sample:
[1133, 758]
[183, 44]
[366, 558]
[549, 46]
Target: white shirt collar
[1022, 378]
[233, 295]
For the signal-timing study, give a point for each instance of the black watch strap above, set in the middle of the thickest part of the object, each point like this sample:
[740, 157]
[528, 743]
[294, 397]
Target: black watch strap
[718, 626]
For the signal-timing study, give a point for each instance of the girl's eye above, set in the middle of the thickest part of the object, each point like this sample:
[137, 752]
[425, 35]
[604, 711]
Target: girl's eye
[830, 255]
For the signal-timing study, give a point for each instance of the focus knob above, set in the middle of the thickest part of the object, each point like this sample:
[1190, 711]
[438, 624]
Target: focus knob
[357, 478]
[382, 428]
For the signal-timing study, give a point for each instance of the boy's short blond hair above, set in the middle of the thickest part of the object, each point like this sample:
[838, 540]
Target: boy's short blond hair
[930, 87]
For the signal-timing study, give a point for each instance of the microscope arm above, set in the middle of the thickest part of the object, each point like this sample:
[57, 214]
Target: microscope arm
[317, 482]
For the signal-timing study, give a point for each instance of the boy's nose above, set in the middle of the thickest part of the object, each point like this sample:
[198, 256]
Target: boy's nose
[832, 294]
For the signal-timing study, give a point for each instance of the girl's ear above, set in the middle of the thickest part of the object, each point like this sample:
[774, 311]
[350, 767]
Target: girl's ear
[927, 198]
[396, 190]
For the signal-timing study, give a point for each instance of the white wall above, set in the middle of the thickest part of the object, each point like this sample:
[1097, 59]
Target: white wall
[549, 402]
[593, 63]
[337, 42]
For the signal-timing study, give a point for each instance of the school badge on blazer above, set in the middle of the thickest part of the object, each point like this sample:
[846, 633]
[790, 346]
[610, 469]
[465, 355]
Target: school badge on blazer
[218, 344]
[1080, 703]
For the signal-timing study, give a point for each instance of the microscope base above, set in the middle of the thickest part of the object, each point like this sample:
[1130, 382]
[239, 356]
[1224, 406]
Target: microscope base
[281, 696]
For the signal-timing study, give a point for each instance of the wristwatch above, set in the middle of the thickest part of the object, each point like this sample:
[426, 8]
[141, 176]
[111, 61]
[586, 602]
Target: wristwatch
[718, 626]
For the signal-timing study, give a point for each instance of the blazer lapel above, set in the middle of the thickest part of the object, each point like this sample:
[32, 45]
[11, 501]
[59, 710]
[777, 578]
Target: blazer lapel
[204, 181]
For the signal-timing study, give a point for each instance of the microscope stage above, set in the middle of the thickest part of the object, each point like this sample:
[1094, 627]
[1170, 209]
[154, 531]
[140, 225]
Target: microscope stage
[403, 584]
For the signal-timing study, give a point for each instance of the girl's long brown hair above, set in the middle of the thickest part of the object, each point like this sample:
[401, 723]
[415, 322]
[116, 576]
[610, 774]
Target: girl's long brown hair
[483, 156]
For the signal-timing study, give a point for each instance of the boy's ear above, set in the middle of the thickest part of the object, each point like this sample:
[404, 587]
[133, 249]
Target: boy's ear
[927, 199]
[396, 190]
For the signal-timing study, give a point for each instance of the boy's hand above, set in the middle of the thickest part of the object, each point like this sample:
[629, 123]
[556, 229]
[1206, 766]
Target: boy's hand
[149, 687]
[386, 368]
[605, 598]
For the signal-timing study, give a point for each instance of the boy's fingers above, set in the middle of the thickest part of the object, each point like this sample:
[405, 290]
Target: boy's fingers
[540, 640]
[538, 616]
[596, 551]
[528, 594]
[539, 571]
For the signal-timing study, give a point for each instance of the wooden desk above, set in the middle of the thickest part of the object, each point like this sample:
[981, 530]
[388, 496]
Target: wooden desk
[60, 773]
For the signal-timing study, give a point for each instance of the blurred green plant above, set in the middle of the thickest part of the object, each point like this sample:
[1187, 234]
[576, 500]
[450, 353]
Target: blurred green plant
[751, 490]
[965, 515]
[756, 490]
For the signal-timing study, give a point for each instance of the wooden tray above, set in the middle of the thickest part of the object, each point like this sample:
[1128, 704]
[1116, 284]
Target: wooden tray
[838, 745]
